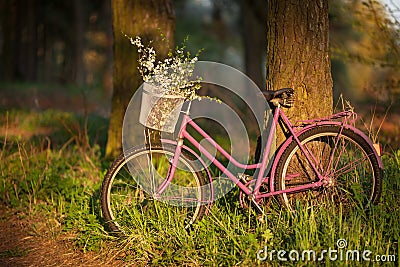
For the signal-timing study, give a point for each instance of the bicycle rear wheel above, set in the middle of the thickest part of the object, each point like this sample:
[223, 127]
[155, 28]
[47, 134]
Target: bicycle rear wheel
[354, 177]
[128, 190]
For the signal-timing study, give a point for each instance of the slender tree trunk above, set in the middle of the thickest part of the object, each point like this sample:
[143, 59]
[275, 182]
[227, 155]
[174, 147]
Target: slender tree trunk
[27, 44]
[145, 18]
[31, 42]
[298, 55]
[8, 18]
[48, 64]
[78, 70]
[108, 69]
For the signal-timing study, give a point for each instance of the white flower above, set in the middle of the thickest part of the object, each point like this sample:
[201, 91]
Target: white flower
[173, 75]
[137, 41]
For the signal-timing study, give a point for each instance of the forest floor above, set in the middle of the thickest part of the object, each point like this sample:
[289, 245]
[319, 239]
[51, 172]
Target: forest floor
[27, 240]
[33, 239]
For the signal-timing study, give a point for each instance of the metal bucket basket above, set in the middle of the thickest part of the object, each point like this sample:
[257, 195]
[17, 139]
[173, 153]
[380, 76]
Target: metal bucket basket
[159, 111]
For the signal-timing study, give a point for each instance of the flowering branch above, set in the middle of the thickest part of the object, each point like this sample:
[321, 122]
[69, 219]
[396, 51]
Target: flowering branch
[172, 75]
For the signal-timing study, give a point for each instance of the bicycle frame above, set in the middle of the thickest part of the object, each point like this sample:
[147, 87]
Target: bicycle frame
[294, 134]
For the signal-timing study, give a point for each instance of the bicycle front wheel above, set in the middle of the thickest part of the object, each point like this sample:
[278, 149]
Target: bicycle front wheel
[350, 167]
[128, 193]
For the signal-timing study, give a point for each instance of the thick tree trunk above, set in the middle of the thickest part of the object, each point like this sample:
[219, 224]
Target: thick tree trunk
[254, 16]
[145, 18]
[298, 55]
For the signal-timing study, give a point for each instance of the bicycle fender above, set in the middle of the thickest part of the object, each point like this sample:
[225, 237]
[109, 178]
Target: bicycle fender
[309, 127]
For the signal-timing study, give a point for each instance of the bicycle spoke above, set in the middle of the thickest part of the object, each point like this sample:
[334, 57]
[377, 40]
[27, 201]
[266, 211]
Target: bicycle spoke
[127, 191]
[349, 167]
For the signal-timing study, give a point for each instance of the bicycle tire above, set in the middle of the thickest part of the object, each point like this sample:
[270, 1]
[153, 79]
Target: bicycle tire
[126, 202]
[360, 186]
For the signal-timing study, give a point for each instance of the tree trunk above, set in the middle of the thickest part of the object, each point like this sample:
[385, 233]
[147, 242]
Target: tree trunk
[27, 40]
[108, 69]
[145, 18]
[298, 55]
[254, 18]
[8, 18]
[78, 71]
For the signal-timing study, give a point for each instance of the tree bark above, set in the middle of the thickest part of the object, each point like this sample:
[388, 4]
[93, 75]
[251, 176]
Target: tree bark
[298, 55]
[145, 18]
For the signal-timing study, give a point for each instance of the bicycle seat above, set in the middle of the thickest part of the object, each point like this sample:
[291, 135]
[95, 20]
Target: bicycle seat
[282, 96]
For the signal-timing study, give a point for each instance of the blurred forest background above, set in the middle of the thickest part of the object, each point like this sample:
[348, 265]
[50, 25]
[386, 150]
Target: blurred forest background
[57, 54]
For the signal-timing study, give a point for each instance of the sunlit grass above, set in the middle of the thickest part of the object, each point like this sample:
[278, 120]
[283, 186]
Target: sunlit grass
[64, 181]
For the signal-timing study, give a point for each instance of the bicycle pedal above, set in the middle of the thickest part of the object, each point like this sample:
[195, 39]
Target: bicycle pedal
[244, 177]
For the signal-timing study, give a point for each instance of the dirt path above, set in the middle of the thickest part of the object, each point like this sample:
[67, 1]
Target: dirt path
[34, 241]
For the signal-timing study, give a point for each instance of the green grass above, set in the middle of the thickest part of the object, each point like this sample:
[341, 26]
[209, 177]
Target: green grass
[11, 253]
[63, 181]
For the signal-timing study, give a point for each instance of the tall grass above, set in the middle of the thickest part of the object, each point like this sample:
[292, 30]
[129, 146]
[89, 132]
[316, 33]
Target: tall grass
[41, 178]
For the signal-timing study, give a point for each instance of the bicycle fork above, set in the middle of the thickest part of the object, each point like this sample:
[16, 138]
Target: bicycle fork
[174, 164]
[171, 169]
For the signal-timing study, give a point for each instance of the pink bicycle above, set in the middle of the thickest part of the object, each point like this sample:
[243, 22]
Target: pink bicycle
[326, 158]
